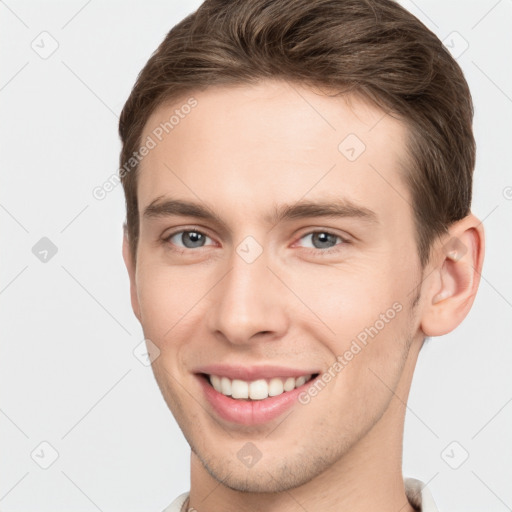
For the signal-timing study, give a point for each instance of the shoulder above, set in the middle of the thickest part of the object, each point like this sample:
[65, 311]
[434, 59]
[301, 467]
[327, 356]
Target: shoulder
[419, 496]
[176, 505]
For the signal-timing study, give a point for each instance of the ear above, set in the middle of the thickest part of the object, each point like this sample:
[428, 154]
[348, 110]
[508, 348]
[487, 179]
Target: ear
[130, 266]
[458, 259]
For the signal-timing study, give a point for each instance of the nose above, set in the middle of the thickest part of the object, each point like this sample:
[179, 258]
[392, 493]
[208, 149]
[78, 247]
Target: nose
[248, 303]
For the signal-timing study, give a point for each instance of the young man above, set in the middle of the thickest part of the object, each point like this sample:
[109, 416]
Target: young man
[298, 185]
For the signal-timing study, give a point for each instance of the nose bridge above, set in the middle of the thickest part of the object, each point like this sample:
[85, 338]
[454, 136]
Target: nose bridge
[247, 301]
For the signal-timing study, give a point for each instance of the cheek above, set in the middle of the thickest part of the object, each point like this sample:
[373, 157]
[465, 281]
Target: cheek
[347, 301]
[165, 300]
[363, 319]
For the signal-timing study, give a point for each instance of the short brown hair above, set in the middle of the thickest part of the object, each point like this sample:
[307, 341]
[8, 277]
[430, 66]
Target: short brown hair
[374, 48]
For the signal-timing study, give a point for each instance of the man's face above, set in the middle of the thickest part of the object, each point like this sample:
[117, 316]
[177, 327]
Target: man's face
[250, 288]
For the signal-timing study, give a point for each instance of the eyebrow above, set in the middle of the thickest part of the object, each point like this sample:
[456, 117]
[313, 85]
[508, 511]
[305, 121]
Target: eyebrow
[303, 209]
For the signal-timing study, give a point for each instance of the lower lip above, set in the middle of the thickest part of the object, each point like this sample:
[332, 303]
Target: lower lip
[250, 412]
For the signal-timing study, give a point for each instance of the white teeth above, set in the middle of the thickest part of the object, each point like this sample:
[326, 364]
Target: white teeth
[300, 381]
[275, 387]
[216, 383]
[257, 389]
[225, 386]
[289, 384]
[239, 389]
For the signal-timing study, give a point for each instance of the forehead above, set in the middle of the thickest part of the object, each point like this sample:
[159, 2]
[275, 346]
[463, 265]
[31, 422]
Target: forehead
[274, 141]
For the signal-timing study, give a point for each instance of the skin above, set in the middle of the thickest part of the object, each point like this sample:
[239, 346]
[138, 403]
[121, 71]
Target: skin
[243, 151]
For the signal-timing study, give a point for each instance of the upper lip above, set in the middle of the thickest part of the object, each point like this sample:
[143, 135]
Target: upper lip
[251, 373]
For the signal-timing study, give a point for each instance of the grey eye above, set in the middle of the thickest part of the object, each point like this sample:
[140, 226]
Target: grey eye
[321, 239]
[189, 239]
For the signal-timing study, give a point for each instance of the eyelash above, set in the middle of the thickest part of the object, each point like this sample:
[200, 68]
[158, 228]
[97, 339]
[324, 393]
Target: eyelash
[317, 252]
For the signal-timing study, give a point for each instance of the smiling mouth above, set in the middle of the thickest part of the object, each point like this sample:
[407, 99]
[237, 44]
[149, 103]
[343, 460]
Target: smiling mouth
[255, 390]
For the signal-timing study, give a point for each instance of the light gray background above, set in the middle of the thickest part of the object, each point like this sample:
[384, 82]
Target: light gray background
[69, 376]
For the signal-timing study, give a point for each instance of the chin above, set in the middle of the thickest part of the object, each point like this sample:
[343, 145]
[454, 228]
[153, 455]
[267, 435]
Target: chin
[283, 475]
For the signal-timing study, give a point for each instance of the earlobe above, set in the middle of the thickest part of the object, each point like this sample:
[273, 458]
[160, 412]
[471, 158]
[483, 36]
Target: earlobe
[130, 267]
[455, 278]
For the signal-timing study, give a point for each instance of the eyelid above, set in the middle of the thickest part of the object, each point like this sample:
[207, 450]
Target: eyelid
[345, 239]
[330, 231]
[167, 237]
